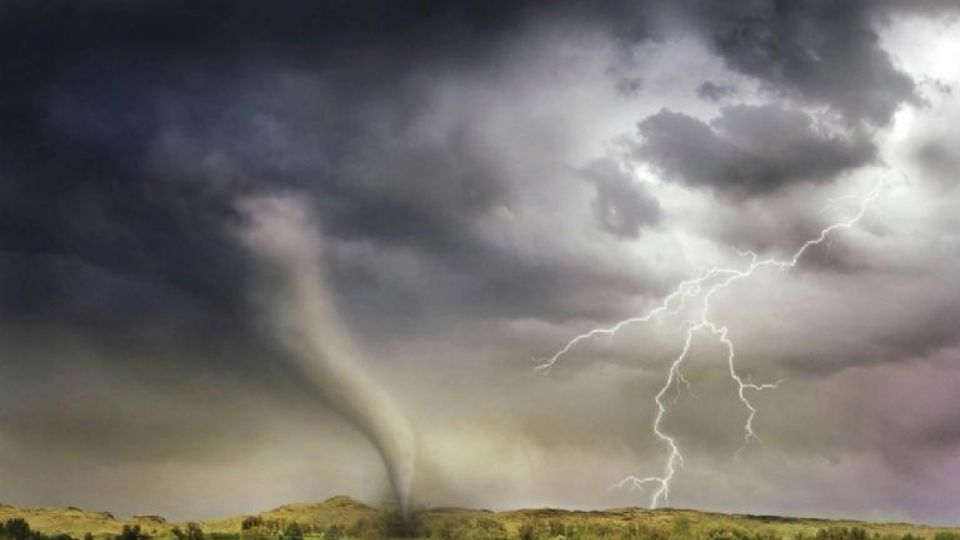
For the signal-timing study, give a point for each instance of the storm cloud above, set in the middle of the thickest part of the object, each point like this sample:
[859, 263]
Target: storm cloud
[824, 52]
[748, 150]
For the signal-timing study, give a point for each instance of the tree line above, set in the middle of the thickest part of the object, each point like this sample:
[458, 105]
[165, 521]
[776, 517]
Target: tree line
[389, 525]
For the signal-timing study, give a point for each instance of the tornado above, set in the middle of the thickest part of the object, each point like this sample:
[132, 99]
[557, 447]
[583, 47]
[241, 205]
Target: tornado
[285, 240]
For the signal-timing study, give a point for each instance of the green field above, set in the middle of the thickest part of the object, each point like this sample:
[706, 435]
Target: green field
[342, 518]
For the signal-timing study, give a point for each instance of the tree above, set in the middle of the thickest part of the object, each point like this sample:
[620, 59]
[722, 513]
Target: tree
[131, 532]
[292, 532]
[193, 532]
[17, 529]
[251, 522]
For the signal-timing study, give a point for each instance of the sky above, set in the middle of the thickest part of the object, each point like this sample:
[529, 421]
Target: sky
[473, 185]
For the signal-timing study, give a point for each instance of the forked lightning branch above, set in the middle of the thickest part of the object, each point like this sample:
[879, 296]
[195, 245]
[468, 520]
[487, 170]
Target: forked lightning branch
[703, 289]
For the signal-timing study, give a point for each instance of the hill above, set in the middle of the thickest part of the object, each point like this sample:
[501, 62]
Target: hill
[343, 518]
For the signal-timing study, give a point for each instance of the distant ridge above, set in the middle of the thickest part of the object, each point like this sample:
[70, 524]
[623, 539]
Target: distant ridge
[347, 514]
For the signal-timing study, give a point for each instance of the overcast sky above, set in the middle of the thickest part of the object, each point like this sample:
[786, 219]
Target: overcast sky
[490, 181]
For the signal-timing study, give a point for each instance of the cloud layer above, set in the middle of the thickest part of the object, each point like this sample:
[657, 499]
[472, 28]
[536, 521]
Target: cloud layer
[490, 183]
[748, 149]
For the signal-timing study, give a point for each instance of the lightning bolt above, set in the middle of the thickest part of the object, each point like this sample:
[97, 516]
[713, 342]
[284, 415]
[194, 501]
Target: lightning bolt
[705, 286]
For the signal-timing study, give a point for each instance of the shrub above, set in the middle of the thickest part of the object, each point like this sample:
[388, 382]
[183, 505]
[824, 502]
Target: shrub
[529, 530]
[251, 522]
[293, 531]
[16, 529]
[842, 533]
[727, 533]
[333, 532]
[766, 534]
[131, 532]
[194, 532]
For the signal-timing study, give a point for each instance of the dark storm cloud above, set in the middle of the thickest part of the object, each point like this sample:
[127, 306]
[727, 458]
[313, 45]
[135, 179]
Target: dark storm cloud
[621, 207]
[748, 149]
[106, 99]
[126, 130]
[822, 51]
[94, 90]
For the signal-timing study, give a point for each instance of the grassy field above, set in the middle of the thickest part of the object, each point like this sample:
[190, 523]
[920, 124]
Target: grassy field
[344, 518]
